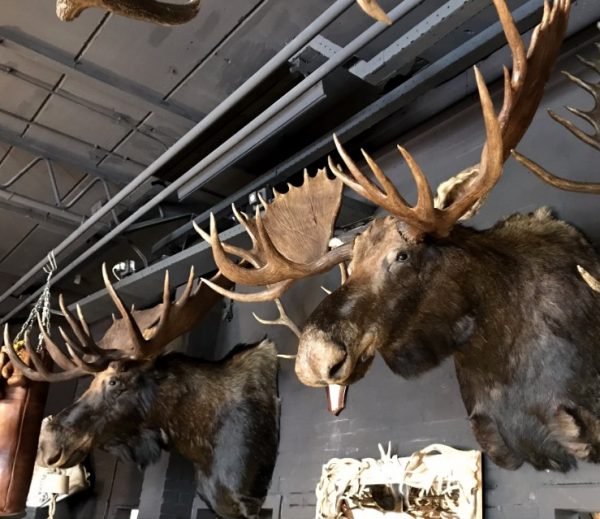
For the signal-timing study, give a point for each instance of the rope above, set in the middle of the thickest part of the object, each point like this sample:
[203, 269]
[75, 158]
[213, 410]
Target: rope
[41, 308]
[52, 506]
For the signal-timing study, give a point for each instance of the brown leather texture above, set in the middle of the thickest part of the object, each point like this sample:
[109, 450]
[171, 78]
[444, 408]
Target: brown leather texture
[21, 413]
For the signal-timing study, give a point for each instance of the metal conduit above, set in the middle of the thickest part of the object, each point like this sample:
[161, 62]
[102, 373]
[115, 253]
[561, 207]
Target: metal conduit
[320, 23]
[338, 59]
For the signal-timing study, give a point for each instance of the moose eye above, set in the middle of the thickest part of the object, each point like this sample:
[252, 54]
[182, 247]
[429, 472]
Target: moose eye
[112, 382]
[402, 256]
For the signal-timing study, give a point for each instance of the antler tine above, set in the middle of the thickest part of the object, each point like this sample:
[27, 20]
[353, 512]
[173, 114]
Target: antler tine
[422, 215]
[269, 294]
[39, 376]
[282, 320]
[492, 161]
[246, 223]
[561, 183]
[81, 329]
[590, 117]
[77, 355]
[229, 249]
[187, 291]
[136, 336]
[82, 320]
[53, 350]
[35, 359]
[593, 283]
[374, 10]
[512, 82]
[424, 206]
[529, 75]
[275, 267]
[153, 347]
[153, 11]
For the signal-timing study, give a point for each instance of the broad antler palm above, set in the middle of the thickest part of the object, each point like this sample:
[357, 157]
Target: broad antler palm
[138, 334]
[289, 240]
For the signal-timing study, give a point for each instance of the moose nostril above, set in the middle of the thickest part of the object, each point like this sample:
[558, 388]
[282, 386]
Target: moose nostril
[52, 459]
[337, 366]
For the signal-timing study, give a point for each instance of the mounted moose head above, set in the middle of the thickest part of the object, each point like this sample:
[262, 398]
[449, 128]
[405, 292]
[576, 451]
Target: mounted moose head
[422, 287]
[163, 13]
[224, 416]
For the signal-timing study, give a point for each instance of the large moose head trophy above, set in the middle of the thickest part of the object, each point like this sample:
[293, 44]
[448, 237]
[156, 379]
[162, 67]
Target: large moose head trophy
[141, 400]
[164, 13]
[506, 302]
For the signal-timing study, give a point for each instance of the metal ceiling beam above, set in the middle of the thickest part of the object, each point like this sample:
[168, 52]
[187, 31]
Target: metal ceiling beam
[422, 36]
[44, 221]
[143, 287]
[309, 100]
[42, 209]
[45, 54]
[37, 147]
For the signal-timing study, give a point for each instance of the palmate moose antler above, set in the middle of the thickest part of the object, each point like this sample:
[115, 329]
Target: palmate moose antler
[290, 240]
[163, 13]
[274, 245]
[138, 334]
[147, 10]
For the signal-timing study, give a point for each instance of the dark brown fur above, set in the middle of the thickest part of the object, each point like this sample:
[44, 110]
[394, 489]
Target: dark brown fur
[223, 416]
[507, 302]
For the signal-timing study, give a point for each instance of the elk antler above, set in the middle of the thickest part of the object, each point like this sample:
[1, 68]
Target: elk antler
[523, 90]
[289, 241]
[592, 117]
[147, 10]
[139, 334]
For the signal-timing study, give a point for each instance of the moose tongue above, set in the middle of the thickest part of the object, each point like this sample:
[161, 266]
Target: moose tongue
[336, 398]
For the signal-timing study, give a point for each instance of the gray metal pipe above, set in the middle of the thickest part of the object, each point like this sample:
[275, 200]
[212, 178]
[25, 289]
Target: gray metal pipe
[339, 7]
[43, 208]
[338, 59]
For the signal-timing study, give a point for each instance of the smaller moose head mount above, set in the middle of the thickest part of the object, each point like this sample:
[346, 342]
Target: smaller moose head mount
[128, 349]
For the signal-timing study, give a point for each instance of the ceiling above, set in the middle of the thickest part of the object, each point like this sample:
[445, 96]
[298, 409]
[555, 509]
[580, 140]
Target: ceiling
[88, 105]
